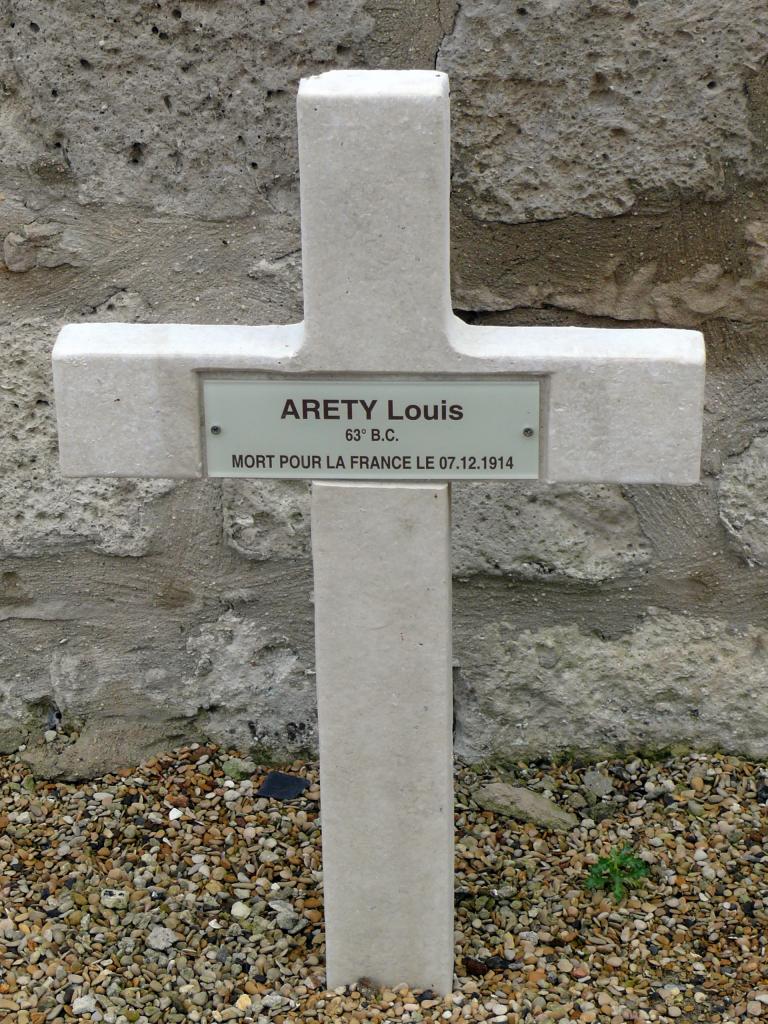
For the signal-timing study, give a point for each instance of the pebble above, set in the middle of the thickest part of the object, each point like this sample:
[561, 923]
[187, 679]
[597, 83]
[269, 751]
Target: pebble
[597, 784]
[114, 899]
[240, 910]
[288, 921]
[524, 805]
[84, 1004]
[238, 767]
[162, 938]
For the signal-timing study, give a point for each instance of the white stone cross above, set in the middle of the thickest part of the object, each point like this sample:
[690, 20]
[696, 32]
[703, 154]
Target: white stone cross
[616, 405]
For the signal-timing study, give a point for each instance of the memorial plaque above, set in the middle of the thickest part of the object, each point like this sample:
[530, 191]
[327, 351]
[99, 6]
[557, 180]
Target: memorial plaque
[357, 429]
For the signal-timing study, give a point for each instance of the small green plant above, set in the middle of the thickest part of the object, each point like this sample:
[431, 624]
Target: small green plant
[622, 869]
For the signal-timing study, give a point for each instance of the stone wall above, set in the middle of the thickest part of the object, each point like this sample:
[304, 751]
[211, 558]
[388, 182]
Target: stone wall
[610, 167]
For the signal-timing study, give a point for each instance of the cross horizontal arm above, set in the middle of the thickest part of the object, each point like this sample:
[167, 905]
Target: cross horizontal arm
[127, 395]
[618, 405]
[621, 406]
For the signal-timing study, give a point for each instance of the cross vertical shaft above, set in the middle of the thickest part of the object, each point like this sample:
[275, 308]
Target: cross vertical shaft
[383, 653]
[374, 151]
[374, 156]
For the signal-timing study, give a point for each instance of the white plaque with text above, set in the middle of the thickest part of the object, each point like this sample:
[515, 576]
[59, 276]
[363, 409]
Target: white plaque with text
[371, 428]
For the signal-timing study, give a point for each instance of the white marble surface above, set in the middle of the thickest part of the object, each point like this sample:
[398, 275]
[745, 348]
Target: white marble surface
[383, 655]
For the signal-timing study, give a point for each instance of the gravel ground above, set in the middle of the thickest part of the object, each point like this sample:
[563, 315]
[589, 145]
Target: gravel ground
[172, 893]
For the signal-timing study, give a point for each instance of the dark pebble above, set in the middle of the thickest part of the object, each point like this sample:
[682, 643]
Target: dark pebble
[281, 786]
[497, 963]
[475, 968]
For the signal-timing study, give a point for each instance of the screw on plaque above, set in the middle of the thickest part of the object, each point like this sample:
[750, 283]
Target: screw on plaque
[528, 432]
[215, 429]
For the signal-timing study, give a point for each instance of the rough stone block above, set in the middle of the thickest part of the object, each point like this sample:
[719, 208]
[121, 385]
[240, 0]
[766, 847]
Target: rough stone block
[236, 681]
[525, 806]
[743, 500]
[42, 512]
[252, 686]
[36, 245]
[545, 532]
[674, 680]
[628, 278]
[266, 518]
[151, 108]
[566, 107]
